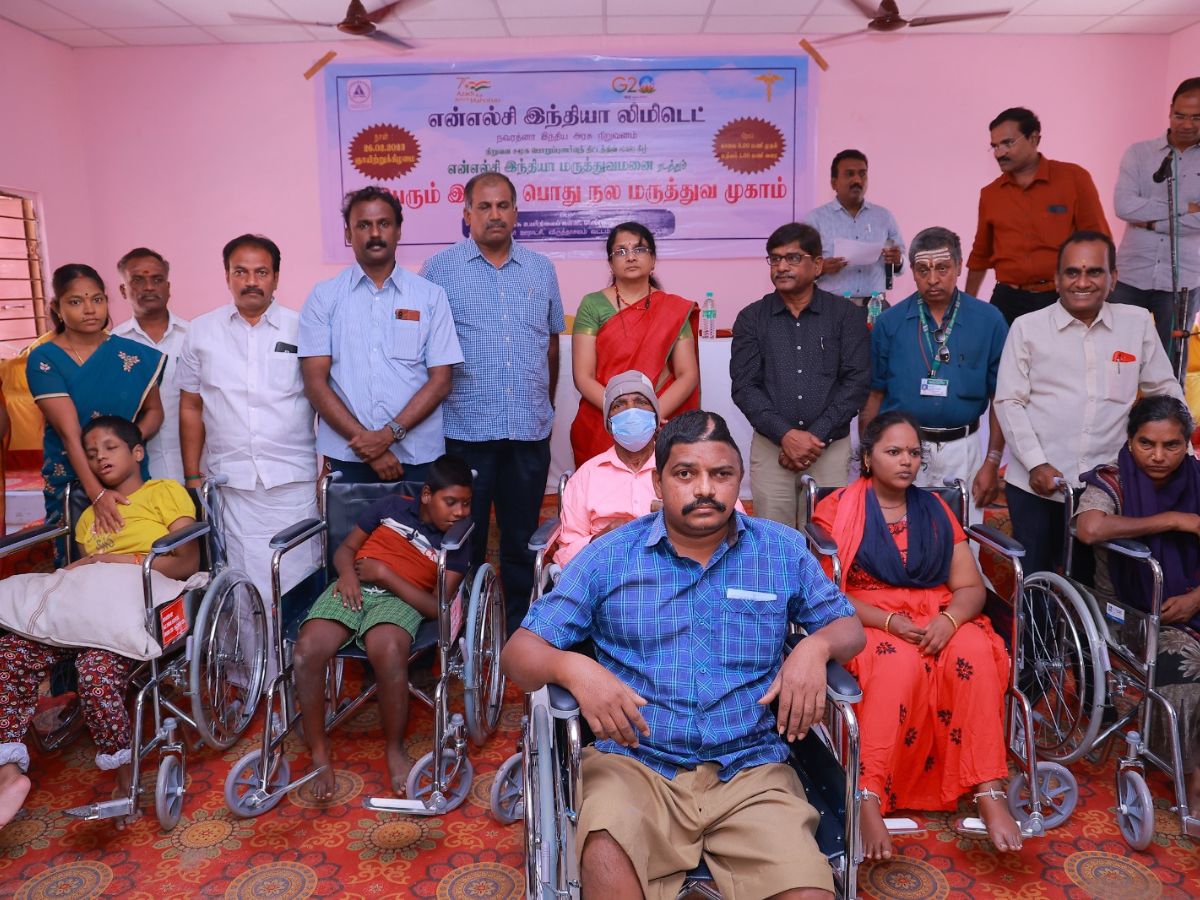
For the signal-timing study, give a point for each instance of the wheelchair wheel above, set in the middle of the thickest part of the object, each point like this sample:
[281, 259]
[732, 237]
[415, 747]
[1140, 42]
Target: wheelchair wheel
[541, 810]
[1064, 679]
[1135, 809]
[229, 659]
[243, 795]
[508, 799]
[483, 695]
[168, 791]
[420, 779]
[1059, 795]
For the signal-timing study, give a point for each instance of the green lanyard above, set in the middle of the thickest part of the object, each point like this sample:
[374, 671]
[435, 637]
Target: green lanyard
[925, 332]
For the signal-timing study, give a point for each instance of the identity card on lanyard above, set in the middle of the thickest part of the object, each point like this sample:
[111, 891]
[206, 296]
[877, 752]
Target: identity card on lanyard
[934, 386]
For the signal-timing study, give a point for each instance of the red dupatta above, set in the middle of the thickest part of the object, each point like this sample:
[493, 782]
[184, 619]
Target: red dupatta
[639, 337]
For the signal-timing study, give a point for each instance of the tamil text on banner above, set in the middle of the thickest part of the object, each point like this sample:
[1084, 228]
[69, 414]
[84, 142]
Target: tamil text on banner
[703, 150]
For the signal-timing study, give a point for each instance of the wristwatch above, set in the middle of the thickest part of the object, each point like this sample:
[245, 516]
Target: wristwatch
[398, 432]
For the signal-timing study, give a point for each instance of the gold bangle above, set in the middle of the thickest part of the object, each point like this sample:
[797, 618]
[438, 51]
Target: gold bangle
[887, 622]
[953, 621]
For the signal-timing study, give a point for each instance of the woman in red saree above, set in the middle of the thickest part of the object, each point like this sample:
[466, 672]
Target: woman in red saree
[933, 673]
[632, 324]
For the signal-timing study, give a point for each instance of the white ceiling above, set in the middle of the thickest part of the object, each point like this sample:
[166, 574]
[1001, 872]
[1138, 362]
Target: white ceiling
[116, 23]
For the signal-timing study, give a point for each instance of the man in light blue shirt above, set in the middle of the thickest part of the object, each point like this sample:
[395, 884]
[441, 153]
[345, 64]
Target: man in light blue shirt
[850, 217]
[1144, 257]
[508, 313]
[377, 346]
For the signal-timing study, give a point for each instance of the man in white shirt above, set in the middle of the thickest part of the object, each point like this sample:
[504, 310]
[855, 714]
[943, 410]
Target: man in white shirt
[145, 283]
[242, 401]
[1069, 375]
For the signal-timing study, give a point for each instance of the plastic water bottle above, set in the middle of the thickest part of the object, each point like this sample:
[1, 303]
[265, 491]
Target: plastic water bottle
[874, 308]
[708, 317]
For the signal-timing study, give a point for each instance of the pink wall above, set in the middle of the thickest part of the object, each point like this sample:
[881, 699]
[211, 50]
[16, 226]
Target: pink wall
[46, 155]
[183, 147]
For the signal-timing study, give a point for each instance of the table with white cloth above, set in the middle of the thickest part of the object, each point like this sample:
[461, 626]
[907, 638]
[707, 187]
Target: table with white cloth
[715, 396]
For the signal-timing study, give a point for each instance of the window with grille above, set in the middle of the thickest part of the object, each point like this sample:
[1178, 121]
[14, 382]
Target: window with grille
[22, 288]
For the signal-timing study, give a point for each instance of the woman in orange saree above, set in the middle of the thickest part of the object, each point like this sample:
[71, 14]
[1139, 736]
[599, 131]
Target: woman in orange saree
[632, 324]
[933, 673]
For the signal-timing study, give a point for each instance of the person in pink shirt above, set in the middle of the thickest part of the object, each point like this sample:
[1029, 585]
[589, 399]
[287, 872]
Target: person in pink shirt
[615, 487]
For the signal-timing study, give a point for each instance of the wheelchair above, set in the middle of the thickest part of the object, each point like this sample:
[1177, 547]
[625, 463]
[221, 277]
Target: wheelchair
[541, 783]
[467, 649]
[205, 678]
[1100, 686]
[1044, 793]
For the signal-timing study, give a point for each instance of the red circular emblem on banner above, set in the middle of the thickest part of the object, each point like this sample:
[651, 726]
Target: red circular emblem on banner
[384, 152]
[749, 145]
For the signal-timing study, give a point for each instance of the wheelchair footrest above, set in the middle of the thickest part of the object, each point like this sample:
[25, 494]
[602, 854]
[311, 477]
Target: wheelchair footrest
[897, 825]
[107, 809]
[399, 805]
[974, 825]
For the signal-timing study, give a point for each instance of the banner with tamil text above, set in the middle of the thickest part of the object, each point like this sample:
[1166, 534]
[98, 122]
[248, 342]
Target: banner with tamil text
[705, 151]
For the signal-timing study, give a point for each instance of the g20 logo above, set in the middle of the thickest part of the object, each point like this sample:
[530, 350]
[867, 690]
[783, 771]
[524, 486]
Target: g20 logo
[632, 84]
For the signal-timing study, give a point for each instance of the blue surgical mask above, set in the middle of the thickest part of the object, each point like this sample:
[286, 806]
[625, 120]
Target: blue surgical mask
[634, 428]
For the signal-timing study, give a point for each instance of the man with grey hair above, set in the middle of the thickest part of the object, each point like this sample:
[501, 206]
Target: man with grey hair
[935, 355]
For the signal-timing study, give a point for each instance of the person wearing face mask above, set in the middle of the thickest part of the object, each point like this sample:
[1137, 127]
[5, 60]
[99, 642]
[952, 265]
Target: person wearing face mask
[614, 487]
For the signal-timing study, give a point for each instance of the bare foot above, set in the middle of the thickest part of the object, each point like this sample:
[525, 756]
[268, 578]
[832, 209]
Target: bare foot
[1002, 827]
[14, 788]
[325, 784]
[399, 765]
[877, 843]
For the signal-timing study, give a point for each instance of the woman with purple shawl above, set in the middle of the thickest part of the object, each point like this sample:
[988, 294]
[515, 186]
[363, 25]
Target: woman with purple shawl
[1152, 495]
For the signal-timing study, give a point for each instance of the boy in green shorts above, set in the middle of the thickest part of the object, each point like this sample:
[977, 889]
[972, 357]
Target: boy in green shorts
[387, 583]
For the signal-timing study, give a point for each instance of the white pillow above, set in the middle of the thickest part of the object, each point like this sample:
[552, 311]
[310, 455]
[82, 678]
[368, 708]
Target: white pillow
[98, 606]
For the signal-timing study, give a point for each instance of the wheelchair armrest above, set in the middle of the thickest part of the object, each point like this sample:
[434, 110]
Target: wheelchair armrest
[297, 534]
[169, 542]
[562, 701]
[23, 540]
[545, 535]
[995, 540]
[1126, 547]
[839, 684]
[820, 539]
[458, 534]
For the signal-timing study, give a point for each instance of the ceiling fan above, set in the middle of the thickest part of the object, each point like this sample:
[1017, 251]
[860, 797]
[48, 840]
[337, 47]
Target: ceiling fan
[357, 22]
[886, 17]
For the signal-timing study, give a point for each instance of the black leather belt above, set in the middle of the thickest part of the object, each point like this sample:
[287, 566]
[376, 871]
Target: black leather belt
[942, 435]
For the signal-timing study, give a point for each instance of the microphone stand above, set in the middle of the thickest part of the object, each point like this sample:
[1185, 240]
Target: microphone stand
[1183, 328]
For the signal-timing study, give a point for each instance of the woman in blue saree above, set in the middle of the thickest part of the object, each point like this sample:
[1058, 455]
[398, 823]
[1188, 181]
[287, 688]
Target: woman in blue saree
[81, 373]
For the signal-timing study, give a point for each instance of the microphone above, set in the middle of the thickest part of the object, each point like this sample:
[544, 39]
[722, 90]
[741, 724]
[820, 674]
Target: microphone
[888, 272]
[1164, 169]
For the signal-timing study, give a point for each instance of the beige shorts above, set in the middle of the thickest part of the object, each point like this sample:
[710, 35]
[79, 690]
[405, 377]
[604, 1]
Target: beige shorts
[755, 831]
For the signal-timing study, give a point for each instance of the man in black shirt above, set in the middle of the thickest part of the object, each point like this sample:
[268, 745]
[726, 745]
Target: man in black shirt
[801, 370]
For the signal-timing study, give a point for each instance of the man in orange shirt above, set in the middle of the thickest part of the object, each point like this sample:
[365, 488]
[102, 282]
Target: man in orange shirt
[1026, 214]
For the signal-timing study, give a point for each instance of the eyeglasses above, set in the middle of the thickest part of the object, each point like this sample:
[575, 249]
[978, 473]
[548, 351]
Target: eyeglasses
[941, 270]
[792, 259]
[939, 338]
[1005, 145]
[622, 252]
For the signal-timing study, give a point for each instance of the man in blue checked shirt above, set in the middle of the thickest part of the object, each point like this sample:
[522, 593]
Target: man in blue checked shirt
[508, 313]
[688, 609]
[377, 345]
